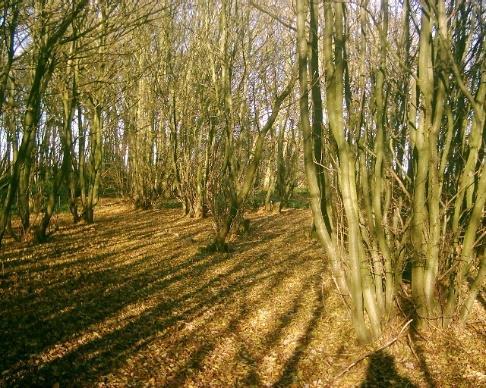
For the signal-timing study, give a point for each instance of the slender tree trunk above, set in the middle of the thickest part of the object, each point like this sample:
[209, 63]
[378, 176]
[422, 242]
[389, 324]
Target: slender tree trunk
[323, 233]
[379, 167]
[82, 158]
[420, 225]
[317, 112]
[96, 143]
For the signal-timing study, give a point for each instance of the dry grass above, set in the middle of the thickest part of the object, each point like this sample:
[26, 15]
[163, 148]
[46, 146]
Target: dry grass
[132, 301]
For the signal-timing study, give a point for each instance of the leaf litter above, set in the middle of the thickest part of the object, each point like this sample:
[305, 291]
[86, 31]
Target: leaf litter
[134, 301]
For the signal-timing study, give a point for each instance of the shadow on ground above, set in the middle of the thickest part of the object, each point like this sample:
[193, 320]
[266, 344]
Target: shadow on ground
[132, 299]
[382, 372]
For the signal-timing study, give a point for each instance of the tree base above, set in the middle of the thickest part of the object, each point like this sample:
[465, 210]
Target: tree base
[216, 247]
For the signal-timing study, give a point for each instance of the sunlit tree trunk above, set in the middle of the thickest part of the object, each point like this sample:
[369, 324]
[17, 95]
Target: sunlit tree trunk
[94, 165]
[379, 184]
[10, 18]
[317, 112]
[323, 233]
[48, 39]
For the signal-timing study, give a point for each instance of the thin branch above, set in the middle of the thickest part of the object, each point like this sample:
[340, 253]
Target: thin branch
[389, 343]
[272, 15]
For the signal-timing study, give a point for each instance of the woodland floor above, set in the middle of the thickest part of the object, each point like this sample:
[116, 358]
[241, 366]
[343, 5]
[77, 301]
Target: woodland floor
[133, 301]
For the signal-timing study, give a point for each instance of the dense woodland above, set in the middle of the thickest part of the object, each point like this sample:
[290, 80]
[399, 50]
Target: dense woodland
[375, 107]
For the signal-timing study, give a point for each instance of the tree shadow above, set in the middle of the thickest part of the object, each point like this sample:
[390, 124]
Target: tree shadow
[382, 372]
[418, 350]
[481, 299]
[291, 366]
[73, 323]
[414, 339]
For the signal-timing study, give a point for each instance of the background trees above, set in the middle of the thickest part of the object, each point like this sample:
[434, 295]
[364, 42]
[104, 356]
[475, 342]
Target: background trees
[194, 101]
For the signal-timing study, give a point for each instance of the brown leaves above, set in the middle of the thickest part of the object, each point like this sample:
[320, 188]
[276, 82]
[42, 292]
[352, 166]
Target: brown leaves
[132, 302]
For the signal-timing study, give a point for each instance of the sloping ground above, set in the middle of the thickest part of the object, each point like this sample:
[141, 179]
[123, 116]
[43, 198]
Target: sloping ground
[133, 301]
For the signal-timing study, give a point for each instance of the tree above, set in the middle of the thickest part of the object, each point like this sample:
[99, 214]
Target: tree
[45, 44]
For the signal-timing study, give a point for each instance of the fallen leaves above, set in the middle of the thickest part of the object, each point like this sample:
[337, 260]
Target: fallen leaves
[132, 301]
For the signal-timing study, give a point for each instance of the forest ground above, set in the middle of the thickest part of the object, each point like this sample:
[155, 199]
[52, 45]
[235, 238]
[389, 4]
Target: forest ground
[133, 300]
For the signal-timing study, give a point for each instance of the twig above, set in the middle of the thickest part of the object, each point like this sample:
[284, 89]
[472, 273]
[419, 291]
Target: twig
[273, 16]
[341, 294]
[400, 307]
[411, 346]
[400, 183]
[391, 342]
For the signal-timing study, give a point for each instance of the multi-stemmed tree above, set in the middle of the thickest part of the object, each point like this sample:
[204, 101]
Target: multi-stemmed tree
[195, 101]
